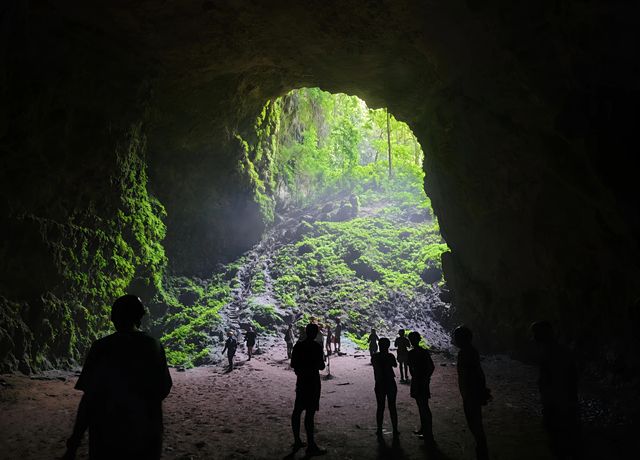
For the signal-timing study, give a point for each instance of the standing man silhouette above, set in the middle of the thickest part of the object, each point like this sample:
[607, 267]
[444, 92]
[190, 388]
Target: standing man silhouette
[386, 389]
[421, 367]
[329, 339]
[250, 338]
[473, 388]
[373, 342]
[289, 339]
[336, 336]
[307, 360]
[402, 345]
[230, 346]
[124, 379]
[558, 384]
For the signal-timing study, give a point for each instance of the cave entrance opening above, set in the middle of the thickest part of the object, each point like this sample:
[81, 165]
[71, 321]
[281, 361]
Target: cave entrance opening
[350, 232]
[353, 230]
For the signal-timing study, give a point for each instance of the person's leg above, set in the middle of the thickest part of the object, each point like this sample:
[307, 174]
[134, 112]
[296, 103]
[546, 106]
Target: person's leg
[295, 425]
[380, 400]
[309, 426]
[406, 371]
[426, 421]
[473, 414]
[249, 351]
[401, 371]
[391, 396]
[230, 359]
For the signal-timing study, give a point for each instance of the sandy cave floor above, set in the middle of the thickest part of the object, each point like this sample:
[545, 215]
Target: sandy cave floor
[245, 413]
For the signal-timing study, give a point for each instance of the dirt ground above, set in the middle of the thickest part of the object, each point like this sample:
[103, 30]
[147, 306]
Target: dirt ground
[245, 413]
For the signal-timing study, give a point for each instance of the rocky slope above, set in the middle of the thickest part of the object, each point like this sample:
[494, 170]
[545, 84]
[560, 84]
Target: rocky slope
[329, 260]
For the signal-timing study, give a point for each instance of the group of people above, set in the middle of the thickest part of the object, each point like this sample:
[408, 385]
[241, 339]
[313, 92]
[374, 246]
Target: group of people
[125, 378]
[402, 345]
[557, 385]
[231, 345]
[307, 361]
[331, 338]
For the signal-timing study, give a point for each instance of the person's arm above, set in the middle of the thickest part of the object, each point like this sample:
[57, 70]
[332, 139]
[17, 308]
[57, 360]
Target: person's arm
[80, 426]
[225, 347]
[394, 363]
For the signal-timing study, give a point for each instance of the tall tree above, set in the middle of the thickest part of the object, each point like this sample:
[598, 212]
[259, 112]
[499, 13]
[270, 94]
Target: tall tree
[389, 139]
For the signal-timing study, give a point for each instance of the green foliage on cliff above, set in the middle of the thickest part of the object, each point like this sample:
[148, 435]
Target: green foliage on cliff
[311, 144]
[350, 268]
[99, 255]
[192, 315]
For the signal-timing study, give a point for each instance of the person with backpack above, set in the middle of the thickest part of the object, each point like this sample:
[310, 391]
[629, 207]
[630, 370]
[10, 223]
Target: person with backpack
[473, 389]
[230, 346]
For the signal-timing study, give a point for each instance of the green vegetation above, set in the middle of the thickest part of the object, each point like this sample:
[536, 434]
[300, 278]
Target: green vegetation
[192, 315]
[101, 257]
[310, 145]
[373, 235]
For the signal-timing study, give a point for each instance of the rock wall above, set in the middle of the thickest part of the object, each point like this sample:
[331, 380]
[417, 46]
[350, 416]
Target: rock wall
[525, 110]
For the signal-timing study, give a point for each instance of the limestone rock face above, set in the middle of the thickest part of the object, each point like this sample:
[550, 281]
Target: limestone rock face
[526, 111]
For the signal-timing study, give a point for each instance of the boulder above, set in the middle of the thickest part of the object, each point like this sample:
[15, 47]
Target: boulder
[365, 271]
[431, 274]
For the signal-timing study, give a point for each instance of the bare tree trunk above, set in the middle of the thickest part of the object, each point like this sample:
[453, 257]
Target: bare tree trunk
[389, 140]
[416, 155]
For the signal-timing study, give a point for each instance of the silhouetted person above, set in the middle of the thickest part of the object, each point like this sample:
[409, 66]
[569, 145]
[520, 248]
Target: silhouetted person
[250, 338]
[329, 339]
[124, 379]
[289, 339]
[307, 360]
[337, 335]
[383, 363]
[558, 384]
[373, 342]
[230, 346]
[421, 367]
[402, 344]
[473, 389]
